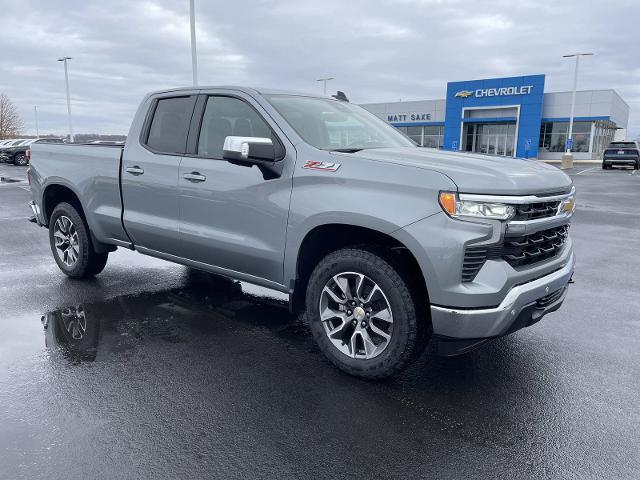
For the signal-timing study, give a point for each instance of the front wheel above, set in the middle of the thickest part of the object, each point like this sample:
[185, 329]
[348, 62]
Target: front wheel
[71, 244]
[362, 314]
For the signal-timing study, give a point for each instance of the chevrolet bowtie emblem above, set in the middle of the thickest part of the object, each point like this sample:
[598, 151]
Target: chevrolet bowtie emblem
[464, 94]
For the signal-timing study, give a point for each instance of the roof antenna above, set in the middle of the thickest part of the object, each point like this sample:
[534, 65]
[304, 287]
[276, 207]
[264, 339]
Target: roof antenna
[340, 96]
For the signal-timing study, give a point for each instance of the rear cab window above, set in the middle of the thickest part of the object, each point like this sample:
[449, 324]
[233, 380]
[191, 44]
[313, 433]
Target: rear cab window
[169, 125]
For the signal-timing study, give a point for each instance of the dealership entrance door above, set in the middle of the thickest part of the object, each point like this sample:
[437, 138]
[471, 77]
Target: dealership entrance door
[490, 138]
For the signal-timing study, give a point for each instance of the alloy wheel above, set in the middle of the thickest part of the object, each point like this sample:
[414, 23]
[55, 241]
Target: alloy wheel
[356, 315]
[66, 241]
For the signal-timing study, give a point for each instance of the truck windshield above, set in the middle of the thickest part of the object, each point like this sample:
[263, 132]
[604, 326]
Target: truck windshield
[336, 125]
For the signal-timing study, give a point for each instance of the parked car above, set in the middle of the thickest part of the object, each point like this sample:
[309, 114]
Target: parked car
[10, 143]
[383, 245]
[19, 154]
[621, 153]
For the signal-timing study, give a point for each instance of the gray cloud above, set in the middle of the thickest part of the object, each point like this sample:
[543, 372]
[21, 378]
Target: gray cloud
[377, 50]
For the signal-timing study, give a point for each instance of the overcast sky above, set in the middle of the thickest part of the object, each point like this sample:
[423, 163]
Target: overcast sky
[376, 50]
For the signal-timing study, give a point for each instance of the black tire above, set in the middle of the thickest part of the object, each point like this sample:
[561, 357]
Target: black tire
[408, 335]
[605, 166]
[88, 262]
[20, 159]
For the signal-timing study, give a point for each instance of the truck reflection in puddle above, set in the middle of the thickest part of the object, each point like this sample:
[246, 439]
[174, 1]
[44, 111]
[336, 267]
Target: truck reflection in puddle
[69, 330]
[204, 305]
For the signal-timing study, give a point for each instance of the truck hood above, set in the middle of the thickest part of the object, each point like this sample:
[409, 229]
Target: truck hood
[484, 174]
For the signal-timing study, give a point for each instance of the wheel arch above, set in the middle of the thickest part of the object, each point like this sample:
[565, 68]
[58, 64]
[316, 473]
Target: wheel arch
[56, 193]
[326, 238]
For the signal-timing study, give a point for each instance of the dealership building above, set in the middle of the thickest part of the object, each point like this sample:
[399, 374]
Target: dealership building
[510, 117]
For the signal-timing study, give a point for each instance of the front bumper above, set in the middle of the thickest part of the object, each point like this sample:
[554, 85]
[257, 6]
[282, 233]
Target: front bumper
[523, 305]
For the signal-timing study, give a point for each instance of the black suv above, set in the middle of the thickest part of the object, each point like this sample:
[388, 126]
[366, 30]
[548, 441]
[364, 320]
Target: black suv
[17, 154]
[621, 153]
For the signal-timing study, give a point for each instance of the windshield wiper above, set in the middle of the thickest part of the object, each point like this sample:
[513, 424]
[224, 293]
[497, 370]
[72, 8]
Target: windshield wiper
[346, 150]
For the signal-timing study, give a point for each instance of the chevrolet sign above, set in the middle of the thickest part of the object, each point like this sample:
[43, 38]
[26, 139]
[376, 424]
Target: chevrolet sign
[495, 92]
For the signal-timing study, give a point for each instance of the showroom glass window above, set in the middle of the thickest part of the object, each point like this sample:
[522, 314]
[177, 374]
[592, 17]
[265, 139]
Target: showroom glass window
[553, 136]
[431, 136]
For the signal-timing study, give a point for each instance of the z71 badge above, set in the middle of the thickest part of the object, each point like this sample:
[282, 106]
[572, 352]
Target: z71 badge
[327, 167]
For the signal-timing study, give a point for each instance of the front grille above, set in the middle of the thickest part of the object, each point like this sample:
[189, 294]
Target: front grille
[532, 211]
[517, 251]
[474, 258]
[539, 246]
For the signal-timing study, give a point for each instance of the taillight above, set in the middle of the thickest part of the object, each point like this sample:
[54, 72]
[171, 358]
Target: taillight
[27, 154]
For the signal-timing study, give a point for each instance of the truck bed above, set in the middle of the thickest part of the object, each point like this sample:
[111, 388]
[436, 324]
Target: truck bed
[92, 172]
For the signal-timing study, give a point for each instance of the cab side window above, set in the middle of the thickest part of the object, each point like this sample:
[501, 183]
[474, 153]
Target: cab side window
[228, 116]
[170, 125]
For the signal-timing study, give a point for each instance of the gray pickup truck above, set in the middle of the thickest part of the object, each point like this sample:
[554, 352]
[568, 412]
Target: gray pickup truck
[384, 245]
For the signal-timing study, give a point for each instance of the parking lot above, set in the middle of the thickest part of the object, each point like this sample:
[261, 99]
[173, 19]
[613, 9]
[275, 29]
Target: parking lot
[180, 374]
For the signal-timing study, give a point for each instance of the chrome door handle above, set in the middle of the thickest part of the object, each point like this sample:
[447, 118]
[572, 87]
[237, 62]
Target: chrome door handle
[194, 177]
[135, 170]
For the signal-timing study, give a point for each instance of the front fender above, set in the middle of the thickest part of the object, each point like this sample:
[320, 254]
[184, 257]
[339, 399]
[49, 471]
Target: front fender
[362, 193]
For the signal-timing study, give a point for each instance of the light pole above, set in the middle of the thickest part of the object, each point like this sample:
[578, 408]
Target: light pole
[35, 111]
[66, 81]
[194, 53]
[569, 144]
[324, 84]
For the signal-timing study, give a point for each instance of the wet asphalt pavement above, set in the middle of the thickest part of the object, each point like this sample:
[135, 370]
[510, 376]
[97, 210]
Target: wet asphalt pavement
[180, 374]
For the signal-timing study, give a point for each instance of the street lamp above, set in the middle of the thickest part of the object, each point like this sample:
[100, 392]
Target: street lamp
[569, 144]
[66, 80]
[35, 111]
[194, 53]
[324, 82]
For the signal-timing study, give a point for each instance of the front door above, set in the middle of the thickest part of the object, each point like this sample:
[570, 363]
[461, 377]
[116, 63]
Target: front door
[230, 216]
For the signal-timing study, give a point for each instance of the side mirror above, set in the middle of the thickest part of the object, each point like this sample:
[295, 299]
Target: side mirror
[246, 148]
[249, 151]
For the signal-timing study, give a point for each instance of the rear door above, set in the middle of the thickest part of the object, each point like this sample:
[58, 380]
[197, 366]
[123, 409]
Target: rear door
[232, 217]
[150, 174]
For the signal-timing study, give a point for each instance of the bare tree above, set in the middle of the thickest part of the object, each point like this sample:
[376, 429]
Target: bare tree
[10, 122]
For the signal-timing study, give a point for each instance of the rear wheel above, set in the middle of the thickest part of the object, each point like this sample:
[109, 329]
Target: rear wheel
[605, 166]
[71, 243]
[362, 314]
[20, 159]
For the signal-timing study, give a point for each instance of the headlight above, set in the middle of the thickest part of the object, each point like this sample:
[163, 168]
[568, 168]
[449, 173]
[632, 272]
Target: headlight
[567, 206]
[455, 208]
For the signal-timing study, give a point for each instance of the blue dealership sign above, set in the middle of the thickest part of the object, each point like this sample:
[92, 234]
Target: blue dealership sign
[513, 100]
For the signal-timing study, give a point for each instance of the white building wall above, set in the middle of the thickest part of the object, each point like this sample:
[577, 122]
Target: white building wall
[436, 109]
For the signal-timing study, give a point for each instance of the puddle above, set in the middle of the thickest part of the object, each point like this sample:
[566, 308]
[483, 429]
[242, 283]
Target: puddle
[206, 305]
